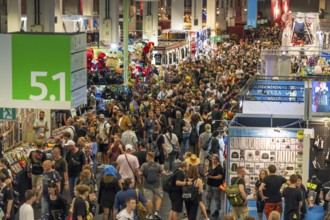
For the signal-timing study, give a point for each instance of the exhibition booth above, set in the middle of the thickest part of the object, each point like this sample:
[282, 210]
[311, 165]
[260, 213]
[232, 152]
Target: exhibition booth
[284, 122]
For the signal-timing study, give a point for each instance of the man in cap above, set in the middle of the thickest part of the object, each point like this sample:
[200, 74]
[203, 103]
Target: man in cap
[76, 160]
[128, 164]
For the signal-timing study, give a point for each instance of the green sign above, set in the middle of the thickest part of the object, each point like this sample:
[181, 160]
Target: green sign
[7, 113]
[216, 39]
[43, 70]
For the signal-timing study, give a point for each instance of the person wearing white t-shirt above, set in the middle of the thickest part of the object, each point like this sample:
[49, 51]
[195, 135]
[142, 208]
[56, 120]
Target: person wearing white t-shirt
[40, 125]
[128, 212]
[26, 211]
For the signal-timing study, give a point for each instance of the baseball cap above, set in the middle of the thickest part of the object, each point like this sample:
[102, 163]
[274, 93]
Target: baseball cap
[101, 116]
[128, 147]
[69, 143]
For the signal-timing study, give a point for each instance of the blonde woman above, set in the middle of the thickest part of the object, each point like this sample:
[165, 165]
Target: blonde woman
[274, 215]
[260, 203]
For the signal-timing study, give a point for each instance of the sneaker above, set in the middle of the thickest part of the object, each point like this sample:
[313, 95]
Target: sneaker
[177, 161]
[157, 216]
[215, 214]
[149, 216]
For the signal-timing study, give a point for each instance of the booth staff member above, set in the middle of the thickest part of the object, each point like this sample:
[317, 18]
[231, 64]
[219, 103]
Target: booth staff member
[40, 125]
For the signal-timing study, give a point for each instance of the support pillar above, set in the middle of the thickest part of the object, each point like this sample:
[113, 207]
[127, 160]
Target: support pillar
[196, 15]
[40, 16]
[211, 14]
[88, 7]
[150, 21]
[58, 16]
[221, 18]
[231, 13]
[109, 21]
[14, 15]
[132, 16]
[177, 14]
[327, 10]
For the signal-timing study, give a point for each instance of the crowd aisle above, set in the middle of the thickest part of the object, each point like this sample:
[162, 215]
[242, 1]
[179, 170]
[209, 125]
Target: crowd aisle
[158, 151]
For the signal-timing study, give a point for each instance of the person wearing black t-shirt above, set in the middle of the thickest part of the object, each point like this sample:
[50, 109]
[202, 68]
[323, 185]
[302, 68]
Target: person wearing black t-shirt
[76, 160]
[142, 153]
[34, 168]
[270, 191]
[7, 197]
[293, 200]
[80, 209]
[241, 212]
[314, 186]
[260, 203]
[176, 194]
[214, 180]
[303, 191]
[324, 192]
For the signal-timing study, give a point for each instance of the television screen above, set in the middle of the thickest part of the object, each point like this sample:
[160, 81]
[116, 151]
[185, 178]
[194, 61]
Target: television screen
[320, 96]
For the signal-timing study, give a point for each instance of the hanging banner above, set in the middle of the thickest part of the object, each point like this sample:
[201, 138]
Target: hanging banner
[285, 6]
[43, 70]
[276, 10]
[252, 13]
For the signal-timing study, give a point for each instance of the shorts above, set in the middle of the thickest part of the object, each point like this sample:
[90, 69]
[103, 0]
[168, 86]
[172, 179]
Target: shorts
[160, 159]
[240, 211]
[269, 207]
[260, 206]
[36, 181]
[103, 148]
[150, 194]
[176, 201]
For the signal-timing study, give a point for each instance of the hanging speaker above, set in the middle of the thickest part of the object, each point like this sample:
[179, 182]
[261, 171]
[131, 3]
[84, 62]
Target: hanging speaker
[196, 21]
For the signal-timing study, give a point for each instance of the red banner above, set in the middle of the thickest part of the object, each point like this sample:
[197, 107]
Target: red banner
[276, 10]
[285, 6]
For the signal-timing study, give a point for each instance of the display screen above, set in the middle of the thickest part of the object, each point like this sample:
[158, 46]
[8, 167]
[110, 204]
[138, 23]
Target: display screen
[320, 96]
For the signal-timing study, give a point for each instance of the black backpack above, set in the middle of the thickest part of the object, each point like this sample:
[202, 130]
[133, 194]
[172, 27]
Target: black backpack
[193, 138]
[206, 105]
[154, 147]
[152, 173]
[168, 182]
[177, 128]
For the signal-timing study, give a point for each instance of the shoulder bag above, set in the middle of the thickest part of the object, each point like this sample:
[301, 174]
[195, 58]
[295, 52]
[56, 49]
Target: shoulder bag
[176, 148]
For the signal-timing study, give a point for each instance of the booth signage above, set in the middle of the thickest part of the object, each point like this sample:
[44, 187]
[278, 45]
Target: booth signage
[7, 114]
[42, 70]
[252, 8]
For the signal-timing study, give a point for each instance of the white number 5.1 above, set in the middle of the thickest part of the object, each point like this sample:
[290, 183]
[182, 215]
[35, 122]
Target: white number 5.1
[43, 87]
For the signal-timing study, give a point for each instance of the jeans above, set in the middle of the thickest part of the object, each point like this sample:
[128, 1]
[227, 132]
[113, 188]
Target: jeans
[72, 183]
[172, 157]
[94, 164]
[213, 192]
[185, 142]
[44, 208]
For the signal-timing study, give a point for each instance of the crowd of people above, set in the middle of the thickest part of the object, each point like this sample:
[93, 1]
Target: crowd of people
[174, 131]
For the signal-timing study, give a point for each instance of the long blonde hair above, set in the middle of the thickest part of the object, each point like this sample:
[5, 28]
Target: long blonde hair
[274, 215]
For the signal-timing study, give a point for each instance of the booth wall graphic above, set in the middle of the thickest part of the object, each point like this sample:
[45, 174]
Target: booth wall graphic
[257, 148]
[320, 152]
[252, 13]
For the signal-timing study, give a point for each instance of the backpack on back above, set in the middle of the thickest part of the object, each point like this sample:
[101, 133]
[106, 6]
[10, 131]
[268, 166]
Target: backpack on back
[234, 194]
[168, 182]
[206, 105]
[177, 128]
[152, 173]
[154, 148]
[193, 138]
[190, 193]
[75, 136]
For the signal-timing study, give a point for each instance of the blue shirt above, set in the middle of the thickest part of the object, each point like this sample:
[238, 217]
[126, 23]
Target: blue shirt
[122, 195]
[94, 147]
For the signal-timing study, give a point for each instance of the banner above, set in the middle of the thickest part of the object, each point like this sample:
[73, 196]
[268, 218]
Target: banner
[43, 70]
[276, 10]
[252, 8]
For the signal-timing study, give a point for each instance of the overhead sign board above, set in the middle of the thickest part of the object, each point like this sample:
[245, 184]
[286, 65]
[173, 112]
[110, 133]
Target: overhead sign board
[7, 113]
[42, 70]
